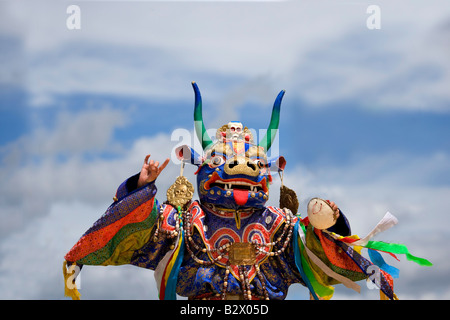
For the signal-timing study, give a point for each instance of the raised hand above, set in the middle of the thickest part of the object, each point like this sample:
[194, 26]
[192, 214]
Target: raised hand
[334, 207]
[150, 171]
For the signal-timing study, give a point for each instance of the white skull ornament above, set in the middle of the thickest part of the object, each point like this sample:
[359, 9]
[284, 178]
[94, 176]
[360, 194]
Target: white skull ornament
[235, 130]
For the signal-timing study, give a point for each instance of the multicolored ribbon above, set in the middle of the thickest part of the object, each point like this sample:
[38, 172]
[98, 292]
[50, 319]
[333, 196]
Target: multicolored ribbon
[374, 249]
[298, 260]
[166, 273]
[385, 223]
[345, 281]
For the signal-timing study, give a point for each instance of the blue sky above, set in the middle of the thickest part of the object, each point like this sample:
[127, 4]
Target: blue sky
[364, 121]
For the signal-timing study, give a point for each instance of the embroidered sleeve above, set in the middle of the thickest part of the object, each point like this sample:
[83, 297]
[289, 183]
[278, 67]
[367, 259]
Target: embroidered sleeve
[125, 227]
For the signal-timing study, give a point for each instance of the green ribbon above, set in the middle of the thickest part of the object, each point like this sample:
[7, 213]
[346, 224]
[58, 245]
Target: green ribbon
[397, 249]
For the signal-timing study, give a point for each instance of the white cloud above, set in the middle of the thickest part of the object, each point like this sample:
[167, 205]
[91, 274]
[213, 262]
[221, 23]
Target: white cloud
[50, 164]
[388, 70]
[322, 52]
[88, 131]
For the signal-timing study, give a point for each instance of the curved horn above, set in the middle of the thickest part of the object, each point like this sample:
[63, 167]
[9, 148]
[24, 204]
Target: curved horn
[267, 141]
[198, 119]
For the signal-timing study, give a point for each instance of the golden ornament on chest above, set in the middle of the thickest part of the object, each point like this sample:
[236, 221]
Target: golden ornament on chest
[242, 253]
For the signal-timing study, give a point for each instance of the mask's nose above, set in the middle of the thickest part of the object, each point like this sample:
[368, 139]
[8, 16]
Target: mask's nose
[241, 165]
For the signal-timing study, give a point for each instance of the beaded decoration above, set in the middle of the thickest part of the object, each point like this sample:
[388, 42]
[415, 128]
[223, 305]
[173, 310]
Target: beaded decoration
[183, 221]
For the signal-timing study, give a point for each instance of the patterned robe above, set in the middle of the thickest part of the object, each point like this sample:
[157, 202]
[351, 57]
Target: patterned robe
[125, 234]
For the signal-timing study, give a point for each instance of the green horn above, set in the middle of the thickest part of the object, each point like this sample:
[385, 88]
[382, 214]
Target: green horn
[198, 119]
[267, 141]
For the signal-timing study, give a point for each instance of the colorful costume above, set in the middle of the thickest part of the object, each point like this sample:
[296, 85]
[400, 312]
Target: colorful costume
[229, 245]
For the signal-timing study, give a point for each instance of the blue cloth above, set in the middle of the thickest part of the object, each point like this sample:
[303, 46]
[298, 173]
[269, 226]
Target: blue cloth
[378, 260]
